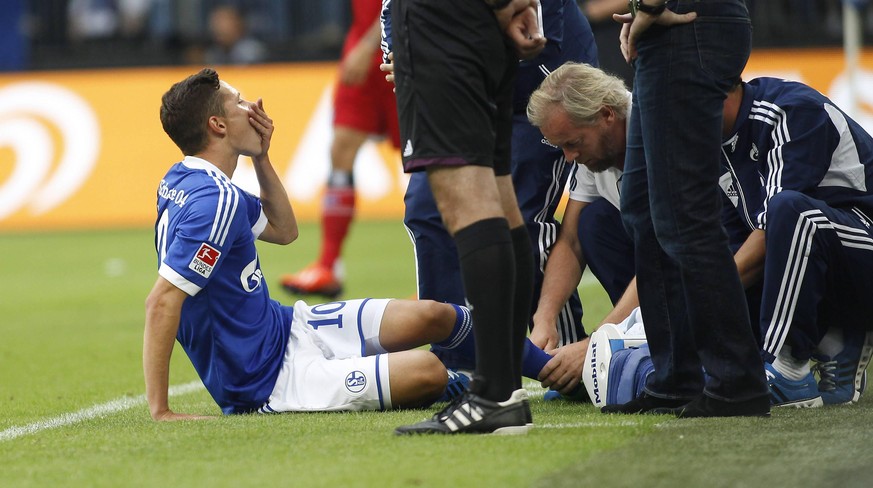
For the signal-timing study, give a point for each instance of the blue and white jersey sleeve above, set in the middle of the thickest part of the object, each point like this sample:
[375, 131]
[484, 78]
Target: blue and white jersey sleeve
[198, 223]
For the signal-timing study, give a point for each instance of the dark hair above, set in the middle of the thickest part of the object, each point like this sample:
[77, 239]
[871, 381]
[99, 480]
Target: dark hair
[186, 107]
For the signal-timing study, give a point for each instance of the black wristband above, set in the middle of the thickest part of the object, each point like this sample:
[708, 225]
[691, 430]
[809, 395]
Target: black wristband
[497, 4]
[638, 6]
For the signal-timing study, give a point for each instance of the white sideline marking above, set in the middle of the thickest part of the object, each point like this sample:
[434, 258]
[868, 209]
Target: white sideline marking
[109, 407]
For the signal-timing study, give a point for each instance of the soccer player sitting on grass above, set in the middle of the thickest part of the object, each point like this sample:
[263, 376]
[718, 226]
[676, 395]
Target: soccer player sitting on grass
[252, 353]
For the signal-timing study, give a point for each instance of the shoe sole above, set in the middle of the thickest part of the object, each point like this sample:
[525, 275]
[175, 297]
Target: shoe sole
[807, 403]
[301, 291]
[513, 430]
[508, 430]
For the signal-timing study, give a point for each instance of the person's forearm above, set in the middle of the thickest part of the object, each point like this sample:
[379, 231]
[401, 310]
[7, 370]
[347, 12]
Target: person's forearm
[562, 274]
[602, 10]
[277, 207]
[625, 305]
[750, 258]
[162, 322]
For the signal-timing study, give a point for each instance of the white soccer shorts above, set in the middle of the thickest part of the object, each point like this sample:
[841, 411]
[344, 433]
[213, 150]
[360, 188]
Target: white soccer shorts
[334, 360]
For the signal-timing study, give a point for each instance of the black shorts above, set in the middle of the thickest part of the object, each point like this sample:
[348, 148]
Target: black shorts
[454, 71]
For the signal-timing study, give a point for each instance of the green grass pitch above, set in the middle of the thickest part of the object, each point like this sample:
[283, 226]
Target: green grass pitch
[72, 412]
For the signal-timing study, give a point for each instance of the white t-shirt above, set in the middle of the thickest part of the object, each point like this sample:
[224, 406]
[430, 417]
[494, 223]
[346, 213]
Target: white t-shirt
[587, 186]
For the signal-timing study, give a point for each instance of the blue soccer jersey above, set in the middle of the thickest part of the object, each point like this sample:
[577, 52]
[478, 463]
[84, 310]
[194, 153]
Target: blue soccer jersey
[234, 334]
[788, 136]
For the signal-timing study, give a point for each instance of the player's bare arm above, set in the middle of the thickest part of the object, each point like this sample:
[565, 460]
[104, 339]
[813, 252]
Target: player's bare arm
[750, 258]
[163, 309]
[281, 221]
[626, 304]
[562, 274]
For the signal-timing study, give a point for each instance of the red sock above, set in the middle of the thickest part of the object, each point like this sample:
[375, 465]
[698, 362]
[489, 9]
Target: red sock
[336, 217]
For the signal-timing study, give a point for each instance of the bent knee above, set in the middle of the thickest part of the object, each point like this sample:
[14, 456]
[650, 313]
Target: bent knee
[789, 202]
[439, 317]
[417, 378]
[432, 372]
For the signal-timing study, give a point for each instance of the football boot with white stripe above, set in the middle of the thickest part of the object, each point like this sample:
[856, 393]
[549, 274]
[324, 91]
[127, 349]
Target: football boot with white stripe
[784, 392]
[843, 378]
[472, 414]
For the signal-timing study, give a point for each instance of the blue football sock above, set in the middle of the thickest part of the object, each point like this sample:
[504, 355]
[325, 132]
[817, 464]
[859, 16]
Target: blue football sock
[461, 341]
[533, 360]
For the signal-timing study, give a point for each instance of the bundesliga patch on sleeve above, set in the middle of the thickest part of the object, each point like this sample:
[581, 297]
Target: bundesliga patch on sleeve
[205, 259]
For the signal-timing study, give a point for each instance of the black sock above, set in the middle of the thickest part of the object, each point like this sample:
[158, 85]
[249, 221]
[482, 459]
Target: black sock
[488, 272]
[521, 305]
